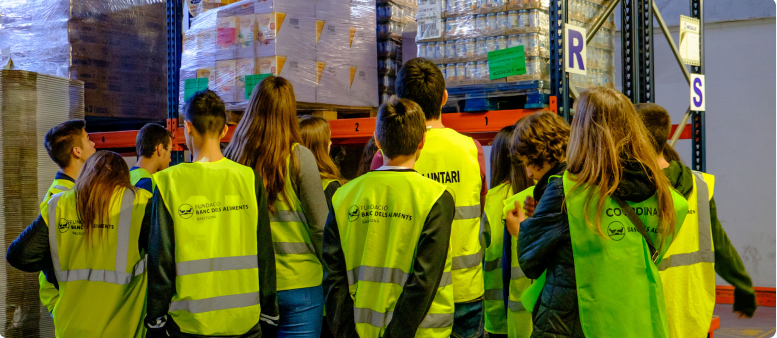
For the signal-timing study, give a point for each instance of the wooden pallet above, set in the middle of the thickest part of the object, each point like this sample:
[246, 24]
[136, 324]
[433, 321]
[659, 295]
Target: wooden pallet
[327, 111]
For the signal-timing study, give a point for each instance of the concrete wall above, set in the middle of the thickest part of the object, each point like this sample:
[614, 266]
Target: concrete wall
[740, 73]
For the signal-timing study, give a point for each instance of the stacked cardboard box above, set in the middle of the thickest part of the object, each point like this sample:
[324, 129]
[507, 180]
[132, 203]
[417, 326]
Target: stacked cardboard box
[321, 48]
[117, 48]
[30, 104]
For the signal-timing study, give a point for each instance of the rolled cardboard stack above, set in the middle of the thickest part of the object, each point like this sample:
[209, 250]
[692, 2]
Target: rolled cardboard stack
[30, 105]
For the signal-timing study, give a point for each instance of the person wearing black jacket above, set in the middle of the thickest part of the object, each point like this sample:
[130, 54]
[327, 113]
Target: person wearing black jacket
[607, 151]
[419, 265]
[540, 143]
[169, 275]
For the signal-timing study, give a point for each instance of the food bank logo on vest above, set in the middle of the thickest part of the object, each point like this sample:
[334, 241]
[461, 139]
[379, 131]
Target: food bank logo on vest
[373, 211]
[66, 224]
[207, 210]
[616, 230]
[186, 211]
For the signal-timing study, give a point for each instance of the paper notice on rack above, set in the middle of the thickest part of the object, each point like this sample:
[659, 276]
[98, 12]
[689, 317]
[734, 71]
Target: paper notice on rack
[689, 41]
[429, 20]
[5, 58]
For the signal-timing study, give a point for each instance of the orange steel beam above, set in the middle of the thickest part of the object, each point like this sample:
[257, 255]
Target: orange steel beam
[480, 126]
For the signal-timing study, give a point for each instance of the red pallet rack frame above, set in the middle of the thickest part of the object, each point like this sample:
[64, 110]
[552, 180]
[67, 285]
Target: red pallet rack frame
[480, 126]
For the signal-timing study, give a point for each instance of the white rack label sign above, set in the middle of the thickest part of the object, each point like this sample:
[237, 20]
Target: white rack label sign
[697, 93]
[429, 20]
[689, 40]
[574, 49]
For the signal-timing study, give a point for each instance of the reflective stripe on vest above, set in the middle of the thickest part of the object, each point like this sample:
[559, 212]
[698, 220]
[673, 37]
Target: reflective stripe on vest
[688, 269]
[217, 275]
[518, 281]
[493, 222]
[705, 254]
[379, 236]
[613, 267]
[48, 292]
[116, 276]
[100, 268]
[451, 158]
[297, 264]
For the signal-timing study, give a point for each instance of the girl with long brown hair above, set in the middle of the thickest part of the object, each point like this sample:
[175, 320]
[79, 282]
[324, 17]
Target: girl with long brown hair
[268, 139]
[91, 241]
[317, 136]
[611, 217]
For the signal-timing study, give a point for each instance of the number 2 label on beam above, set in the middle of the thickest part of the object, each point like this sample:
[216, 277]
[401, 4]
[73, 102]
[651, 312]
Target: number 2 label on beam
[357, 127]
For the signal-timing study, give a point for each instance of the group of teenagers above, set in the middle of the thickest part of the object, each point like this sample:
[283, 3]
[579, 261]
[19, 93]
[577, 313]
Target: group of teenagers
[591, 230]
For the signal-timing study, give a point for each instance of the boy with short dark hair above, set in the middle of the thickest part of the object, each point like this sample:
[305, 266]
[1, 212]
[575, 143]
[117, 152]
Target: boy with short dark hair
[207, 274]
[458, 162]
[69, 146]
[153, 145]
[387, 235]
[688, 269]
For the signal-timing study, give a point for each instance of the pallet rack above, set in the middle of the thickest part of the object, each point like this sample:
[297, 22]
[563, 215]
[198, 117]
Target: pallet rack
[480, 125]
[636, 60]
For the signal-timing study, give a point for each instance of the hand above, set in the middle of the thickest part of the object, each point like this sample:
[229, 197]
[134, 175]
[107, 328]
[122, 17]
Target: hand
[513, 220]
[742, 315]
[529, 205]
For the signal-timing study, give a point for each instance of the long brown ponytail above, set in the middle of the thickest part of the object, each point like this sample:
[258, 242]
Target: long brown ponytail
[316, 136]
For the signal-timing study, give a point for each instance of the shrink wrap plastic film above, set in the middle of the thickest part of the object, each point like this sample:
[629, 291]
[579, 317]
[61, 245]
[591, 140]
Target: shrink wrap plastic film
[472, 28]
[321, 47]
[394, 17]
[117, 48]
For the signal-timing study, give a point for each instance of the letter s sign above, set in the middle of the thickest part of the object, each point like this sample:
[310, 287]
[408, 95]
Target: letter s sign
[697, 93]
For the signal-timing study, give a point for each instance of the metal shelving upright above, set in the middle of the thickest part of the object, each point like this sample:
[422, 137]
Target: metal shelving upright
[638, 76]
[174, 50]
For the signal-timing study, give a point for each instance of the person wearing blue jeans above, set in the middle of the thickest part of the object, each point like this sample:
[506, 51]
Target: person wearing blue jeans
[303, 311]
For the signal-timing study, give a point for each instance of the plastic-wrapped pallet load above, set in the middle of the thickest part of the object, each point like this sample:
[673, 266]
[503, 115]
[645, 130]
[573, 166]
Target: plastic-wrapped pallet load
[472, 28]
[393, 17]
[30, 104]
[321, 48]
[116, 47]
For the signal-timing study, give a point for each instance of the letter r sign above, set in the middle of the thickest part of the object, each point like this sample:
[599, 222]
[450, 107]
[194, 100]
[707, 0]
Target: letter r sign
[697, 93]
[574, 48]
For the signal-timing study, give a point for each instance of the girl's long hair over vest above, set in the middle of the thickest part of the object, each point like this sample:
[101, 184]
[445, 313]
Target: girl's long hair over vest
[97, 184]
[264, 137]
[606, 131]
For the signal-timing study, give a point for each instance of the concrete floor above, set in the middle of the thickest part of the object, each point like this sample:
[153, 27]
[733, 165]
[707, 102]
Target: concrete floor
[762, 324]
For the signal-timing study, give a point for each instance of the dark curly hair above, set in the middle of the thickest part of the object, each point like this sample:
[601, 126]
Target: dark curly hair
[541, 137]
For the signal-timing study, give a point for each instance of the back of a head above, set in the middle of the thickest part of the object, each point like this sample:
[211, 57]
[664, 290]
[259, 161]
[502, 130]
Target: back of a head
[400, 127]
[542, 138]
[314, 131]
[149, 137]
[420, 81]
[206, 113]
[606, 132]
[61, 140]
[101, 175]
[500, 156]
[365, 162]
[658, 123]
[316, 135]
